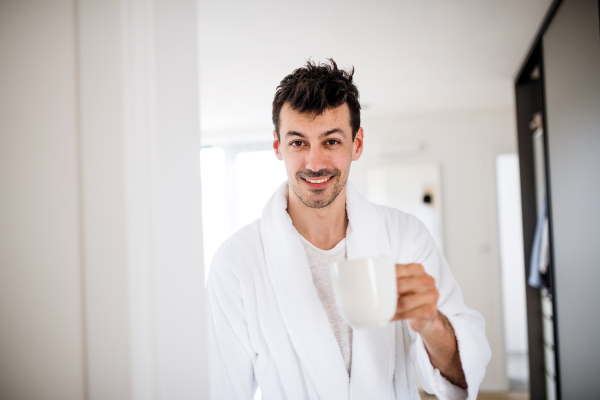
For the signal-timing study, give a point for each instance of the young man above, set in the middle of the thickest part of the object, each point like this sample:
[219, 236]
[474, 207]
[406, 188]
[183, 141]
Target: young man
[272, 314]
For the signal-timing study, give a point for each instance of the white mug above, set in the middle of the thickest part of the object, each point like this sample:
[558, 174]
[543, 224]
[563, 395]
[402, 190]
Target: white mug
[365, 291]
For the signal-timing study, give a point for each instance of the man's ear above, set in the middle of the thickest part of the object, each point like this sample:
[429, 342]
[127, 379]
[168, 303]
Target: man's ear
[357, 146]
[277, 146]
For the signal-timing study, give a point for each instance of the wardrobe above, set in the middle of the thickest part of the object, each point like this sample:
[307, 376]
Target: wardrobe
[558, 123]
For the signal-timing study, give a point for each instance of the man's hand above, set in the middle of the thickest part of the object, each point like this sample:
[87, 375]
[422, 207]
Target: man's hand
[417, 303]
[417, 297]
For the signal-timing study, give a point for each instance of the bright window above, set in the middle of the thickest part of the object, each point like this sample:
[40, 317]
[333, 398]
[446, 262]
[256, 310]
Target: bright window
[214, 212]
[236, 185]
[259, 174]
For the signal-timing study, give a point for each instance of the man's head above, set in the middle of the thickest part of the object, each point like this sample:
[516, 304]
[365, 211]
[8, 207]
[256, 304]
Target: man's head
[317, 133]
[315, 88]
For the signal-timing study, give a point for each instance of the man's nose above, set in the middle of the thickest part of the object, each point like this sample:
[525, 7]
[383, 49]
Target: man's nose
[315, 160]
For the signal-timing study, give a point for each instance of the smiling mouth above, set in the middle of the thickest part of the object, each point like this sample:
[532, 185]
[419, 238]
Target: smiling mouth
[317, 180]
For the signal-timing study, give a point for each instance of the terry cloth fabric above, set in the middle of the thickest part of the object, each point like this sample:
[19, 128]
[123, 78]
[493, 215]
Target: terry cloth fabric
[319, 261]
[268, 327]
[540, 251]
[544, 248]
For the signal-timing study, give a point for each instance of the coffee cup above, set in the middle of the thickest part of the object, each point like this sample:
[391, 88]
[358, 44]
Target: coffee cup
[365, 290]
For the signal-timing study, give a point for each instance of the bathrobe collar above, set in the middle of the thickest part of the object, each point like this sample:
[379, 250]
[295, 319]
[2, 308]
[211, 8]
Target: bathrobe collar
[373, 350]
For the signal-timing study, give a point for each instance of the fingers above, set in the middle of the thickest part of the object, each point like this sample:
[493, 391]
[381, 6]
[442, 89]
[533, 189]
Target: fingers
[408, 270]
[416, 284]
[425, 312]
[411, 302]
[417, 292]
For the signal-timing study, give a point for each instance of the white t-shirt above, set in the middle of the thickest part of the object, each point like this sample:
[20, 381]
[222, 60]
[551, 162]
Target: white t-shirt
[319, 262]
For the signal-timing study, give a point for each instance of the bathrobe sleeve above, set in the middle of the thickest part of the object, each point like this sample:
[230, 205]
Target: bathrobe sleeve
[468, 324]
[231, 355]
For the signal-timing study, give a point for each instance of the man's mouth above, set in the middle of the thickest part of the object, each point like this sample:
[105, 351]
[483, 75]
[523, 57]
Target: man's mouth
[318, 183]
[318, 180]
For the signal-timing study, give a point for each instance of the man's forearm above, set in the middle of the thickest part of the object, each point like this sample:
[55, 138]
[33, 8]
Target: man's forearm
[441, 345]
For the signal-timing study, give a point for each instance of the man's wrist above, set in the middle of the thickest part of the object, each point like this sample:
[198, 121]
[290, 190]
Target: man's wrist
[441, 345]
[437, 327]
[438, 341]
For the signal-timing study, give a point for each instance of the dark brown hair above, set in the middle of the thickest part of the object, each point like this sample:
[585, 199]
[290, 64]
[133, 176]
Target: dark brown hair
[315, 88]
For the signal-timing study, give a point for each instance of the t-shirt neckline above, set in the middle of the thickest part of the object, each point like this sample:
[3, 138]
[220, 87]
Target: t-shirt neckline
[336, 248]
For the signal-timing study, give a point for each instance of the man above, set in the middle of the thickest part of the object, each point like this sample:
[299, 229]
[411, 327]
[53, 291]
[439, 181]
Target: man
[272, 314]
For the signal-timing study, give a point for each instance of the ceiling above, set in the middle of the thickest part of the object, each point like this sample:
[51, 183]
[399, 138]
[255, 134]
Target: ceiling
[409, 56]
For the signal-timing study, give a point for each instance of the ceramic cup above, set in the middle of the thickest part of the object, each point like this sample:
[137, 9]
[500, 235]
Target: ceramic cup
[365, 290]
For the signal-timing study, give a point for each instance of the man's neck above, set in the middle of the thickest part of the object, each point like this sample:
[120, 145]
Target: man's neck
[323, 227]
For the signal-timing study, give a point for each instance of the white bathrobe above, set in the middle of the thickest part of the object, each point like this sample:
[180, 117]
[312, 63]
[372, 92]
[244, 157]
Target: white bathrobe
[268, 328]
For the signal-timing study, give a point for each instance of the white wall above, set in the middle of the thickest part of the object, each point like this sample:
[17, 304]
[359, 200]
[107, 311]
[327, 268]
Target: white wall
[41, 341]
[465, 144]
[101, 275]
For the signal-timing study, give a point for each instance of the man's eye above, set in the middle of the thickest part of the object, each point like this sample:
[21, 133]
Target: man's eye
[296, 143]
[332, 142]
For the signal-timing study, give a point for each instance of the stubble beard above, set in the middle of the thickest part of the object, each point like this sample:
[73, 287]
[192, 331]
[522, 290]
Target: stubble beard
[312, 198]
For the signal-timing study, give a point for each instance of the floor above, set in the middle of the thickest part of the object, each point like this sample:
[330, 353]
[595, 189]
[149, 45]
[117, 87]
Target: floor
[503, 396]
[491, 396]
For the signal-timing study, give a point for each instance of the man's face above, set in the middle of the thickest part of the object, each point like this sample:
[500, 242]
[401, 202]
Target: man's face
[317, 151]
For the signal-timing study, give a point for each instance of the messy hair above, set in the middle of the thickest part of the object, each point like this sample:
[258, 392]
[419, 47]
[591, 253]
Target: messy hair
[315, 88]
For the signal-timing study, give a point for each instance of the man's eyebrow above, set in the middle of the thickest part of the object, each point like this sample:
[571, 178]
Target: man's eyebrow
[332, 131]
[294, 133]
[324, 134]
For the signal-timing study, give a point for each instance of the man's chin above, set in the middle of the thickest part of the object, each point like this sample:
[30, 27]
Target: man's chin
[315, 195]
[318, 198]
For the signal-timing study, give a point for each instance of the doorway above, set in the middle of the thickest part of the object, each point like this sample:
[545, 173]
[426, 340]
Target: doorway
[512, 270]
